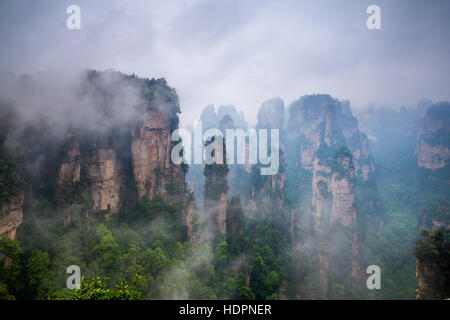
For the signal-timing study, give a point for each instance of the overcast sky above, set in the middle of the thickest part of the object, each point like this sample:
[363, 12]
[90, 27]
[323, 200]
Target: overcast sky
[242, 52]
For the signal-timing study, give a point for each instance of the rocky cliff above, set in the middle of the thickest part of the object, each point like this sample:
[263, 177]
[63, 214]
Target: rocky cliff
[267, 193]
[216, 190]
[11, 192]
[154, 172]
[318, 119]
[220, 180]
[433, 252]
[226, 117]
[235, 222]
[432, 270]
[436, 216]
[192, 219]
[326, 142]
[430, 279]
[90, 172]
[433, 142]
[102, 165]
[11, 216]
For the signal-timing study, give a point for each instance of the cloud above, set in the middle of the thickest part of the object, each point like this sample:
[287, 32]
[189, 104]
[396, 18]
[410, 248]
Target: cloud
[242, 52]
[54, 103]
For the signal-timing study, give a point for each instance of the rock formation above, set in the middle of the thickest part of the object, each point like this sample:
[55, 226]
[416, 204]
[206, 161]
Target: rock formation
[11, 216]
[433, 253]
[154, 171]
[325, 140]
[216, 190]
[267, 192]
[433, 144]
[235, 223]
[430, 279]
[92, 171]
[11, 192]
[97, 162]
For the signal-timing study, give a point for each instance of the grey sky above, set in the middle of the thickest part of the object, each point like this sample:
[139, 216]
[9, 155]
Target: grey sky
[242, 52]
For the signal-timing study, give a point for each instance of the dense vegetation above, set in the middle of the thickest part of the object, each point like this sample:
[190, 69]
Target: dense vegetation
[433, 251]
[143, 251]
[10, 182]
[148, 256]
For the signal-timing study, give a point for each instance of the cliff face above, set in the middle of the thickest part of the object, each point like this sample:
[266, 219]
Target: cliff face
[339, 187]
[96, 163]
[319, 119]
[216, 192]
[335, 214]
[267, 196]
[326, 142]
[154, 172]
[271, 114]
[433, 252]
[436, 216]
[430, 279]
[432, 148]
[235, 221]
[191, 221]
[235, 234]
[104, 172]
[93, 171]
[11, 193]
[11, 217]
[214, 183]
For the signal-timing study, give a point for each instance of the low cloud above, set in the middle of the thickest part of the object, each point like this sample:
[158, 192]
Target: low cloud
[242, 52]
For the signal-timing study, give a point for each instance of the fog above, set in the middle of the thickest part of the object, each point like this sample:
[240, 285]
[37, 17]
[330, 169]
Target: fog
[241, 52]
[63, 102]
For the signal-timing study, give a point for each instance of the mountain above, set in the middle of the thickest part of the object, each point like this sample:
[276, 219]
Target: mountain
[11, 193]
[433, 140]
[87, 179]
[432, 253]
[432, 249]
[330, 161]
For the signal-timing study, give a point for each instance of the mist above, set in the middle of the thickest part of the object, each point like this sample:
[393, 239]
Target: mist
[87, 116]
[242, 52]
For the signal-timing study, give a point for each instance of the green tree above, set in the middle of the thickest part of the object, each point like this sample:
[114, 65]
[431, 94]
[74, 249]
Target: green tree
[221, 253]
[95, 289]
[4, 294]
[246, 293]
[39, 273]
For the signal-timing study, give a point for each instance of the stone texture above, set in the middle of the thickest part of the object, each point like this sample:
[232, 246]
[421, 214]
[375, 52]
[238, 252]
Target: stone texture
[11, 216]
[268, 199]
[94, 172]
[432, 148]
[320, 128]
[152, 166]
[104, 173]
[216, 191]
[429, 279]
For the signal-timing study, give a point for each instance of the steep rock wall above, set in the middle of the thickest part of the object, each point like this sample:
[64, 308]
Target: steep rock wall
[91, 171]
[216, 192]
[11, 216]
[433, 144]
[153, 169]
[121, 160]
[267, 193]
[324, 136]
